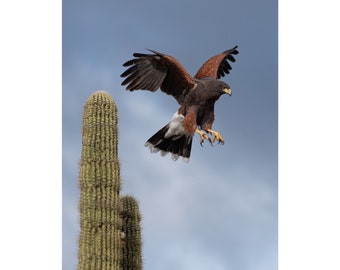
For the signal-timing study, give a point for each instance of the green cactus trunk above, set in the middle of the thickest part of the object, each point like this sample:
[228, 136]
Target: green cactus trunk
[132, 245]
[110, 230]
[99, 181]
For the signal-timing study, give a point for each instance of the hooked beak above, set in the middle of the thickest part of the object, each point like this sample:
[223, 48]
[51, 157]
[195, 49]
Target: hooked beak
[227, 91]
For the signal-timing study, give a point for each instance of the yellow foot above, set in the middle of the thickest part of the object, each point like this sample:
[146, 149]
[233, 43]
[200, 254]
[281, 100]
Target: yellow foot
[216, 136]
[203, 136]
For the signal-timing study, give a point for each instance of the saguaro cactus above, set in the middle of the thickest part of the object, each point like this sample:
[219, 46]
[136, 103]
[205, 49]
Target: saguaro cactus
[110, 230]
[99, 181]
[132, 245]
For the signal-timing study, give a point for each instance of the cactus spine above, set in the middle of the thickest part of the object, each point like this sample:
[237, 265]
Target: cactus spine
[99, 181]
[132, 245]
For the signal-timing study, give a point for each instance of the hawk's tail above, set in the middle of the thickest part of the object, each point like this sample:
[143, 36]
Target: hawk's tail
[178, 145]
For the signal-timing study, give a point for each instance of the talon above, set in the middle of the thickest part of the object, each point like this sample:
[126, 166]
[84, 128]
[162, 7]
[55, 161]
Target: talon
[216, 136]
[203, 136]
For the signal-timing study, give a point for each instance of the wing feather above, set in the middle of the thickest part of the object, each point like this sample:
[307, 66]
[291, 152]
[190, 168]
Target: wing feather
[218, 65]
[157, 70]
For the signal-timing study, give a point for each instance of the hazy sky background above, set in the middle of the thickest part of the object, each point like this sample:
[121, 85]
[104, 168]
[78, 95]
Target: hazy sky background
[31, 194]
[220, 210]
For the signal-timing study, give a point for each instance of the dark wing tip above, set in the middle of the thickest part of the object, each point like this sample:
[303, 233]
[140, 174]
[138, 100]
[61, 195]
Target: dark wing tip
[139, 55]
[129, 63]
[155, 52]
[224, 67]
[232, 51]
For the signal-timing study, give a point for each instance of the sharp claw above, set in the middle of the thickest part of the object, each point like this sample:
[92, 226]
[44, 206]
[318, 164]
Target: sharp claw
[216, 136]
[203, 136]
[201, 141]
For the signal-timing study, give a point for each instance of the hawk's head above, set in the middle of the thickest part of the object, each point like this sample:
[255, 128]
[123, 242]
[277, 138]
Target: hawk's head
[216, 88]
[224, 88]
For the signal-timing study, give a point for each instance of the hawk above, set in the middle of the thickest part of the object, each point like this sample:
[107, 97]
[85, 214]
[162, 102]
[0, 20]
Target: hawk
[196, 96]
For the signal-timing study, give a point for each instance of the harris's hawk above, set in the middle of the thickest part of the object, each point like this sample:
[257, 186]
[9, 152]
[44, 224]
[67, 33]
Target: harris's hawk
[196, 96]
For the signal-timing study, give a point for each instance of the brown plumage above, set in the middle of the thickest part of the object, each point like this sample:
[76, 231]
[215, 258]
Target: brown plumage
[196, 96]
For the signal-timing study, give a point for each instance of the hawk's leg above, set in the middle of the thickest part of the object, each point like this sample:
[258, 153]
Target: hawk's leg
[203, 136]
[216, 136]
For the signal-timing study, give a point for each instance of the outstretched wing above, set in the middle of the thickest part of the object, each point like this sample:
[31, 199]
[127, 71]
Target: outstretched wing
[218, 65]
[157, 70]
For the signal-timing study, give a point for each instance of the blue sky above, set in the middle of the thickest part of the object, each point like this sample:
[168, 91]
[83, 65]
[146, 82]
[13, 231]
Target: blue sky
[39, 204]
[220, 210]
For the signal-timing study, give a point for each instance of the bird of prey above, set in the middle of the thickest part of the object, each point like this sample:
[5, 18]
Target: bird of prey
[196, 96]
